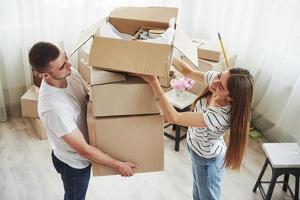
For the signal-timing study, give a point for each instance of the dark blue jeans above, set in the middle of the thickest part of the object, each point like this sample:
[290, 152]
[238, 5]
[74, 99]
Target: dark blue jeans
[75, 181]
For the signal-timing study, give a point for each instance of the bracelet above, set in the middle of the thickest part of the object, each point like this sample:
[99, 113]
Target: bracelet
[158, 98]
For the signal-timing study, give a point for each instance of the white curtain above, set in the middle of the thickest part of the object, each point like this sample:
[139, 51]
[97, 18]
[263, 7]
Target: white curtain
[266, 37]
[22, 23]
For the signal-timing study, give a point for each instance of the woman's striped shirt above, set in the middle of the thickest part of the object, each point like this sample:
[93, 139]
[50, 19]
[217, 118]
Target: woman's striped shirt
[208, 141]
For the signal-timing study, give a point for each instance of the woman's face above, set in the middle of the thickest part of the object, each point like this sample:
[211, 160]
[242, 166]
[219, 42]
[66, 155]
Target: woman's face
[219, 84]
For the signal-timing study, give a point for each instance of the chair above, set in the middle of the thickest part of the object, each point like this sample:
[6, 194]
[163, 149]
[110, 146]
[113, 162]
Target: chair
[284, 159]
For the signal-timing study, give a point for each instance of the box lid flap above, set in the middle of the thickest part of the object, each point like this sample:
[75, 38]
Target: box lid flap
[185, 45]
[154, 14]
[85, 36]
[99, 77]
[199, 42]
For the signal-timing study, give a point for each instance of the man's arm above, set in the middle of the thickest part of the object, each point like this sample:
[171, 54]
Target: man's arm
[77, 141]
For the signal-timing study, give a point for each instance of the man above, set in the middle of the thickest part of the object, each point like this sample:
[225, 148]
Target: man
[62, 108]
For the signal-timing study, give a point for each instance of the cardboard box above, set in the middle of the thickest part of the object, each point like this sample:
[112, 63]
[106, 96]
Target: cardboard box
[138, 139]
[39, 128]
[205, 65]
[85, 70]
[137, 56]
[133, 97]
[99, 77]
[29, 102]
[208, 50]
[94, 76]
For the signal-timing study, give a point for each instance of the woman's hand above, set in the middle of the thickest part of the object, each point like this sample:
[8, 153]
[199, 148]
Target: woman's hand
[148, 78]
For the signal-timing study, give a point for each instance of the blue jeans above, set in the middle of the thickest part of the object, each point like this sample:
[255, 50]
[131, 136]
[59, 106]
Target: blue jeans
[207, 176]
[75, 181]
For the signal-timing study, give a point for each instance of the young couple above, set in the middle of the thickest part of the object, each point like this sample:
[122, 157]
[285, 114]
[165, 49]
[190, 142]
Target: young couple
[225, 106]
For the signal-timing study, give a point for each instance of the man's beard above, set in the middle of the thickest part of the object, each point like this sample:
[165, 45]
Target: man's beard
[60, 78]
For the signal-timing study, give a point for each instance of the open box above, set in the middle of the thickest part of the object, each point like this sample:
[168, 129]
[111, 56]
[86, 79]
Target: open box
[137, 56]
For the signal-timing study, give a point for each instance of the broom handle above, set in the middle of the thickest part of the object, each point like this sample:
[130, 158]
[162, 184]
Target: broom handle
[223, 50]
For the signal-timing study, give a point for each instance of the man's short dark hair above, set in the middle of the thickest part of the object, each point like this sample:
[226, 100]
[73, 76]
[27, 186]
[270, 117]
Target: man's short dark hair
[41, 54]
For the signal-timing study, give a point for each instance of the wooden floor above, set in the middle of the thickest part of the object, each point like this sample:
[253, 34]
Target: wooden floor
[26, 173]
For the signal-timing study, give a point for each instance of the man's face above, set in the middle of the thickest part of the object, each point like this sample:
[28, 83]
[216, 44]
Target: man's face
[59, 68]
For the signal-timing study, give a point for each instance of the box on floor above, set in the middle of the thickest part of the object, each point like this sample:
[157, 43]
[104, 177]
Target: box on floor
[136, 55]
[138, 139]
[38, 126]
[29, 102]
[131, 97]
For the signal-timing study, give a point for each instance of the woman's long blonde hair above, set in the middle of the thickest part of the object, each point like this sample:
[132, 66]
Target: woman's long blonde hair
[240, 87]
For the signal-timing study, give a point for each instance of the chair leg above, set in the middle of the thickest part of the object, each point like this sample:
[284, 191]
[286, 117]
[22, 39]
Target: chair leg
[286, 181]
[297, 187]
[260, 175]
[272, 185]
[177, 137]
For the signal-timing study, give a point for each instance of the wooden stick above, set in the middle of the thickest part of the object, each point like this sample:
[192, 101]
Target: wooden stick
[223, 50]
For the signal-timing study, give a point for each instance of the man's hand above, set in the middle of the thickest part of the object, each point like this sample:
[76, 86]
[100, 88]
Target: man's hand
[77, 141]
[126, 168]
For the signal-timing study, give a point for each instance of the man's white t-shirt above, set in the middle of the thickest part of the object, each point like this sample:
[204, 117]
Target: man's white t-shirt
[61, 111]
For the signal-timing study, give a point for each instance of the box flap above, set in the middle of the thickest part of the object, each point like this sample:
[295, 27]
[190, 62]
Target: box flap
[99, 77]
[29, 102]
[199, 42]
[153, 14]
[131, 19]
[185, 45]
[85, 36]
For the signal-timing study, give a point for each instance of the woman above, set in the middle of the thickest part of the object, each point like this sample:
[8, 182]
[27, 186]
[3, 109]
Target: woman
[225, 105]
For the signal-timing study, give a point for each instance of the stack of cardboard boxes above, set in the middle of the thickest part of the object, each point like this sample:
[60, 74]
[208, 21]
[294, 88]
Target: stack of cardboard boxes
[124, 120]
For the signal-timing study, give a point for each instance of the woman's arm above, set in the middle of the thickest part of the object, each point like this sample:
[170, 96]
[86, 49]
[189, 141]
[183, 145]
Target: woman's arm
[193, 119]
[184, 68]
